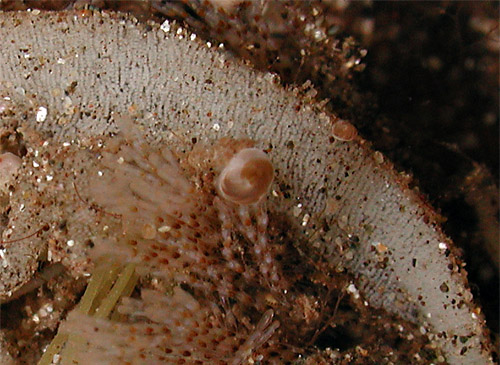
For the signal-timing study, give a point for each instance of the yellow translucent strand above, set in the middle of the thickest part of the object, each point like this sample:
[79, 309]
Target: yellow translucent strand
[99, 301]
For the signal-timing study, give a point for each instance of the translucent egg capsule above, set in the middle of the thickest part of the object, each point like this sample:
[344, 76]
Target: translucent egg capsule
[247, 177]
[9, 164]
[344, 131]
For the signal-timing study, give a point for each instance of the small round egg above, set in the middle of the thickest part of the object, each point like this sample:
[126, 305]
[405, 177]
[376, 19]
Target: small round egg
[9, 164]
[344, 131]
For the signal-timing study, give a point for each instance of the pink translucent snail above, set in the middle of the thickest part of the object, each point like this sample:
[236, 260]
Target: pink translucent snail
[247, 177]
